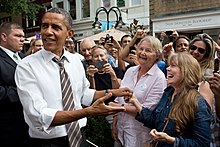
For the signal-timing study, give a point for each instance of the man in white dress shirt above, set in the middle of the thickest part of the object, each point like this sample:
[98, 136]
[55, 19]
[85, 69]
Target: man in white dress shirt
[38, 81]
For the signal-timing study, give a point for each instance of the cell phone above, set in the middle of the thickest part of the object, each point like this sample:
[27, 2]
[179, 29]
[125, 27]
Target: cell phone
[132, 49]
[167, 40]
[137, 40]
[216, 65]
[99, 64]
[168, 33]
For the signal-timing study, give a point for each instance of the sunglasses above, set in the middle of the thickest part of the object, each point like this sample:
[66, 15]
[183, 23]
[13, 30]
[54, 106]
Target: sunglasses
[200, 50]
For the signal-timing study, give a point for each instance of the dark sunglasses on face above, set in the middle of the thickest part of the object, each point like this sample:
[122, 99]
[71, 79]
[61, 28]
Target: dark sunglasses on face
[200, 50]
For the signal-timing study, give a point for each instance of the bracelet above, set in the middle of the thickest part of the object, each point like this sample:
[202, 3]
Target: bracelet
[92, 76]
[115, 79]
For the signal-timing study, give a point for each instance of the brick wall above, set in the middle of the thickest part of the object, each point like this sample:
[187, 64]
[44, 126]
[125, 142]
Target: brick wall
[165, 7]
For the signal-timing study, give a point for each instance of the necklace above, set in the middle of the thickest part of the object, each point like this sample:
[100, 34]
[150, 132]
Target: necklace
[101, 72]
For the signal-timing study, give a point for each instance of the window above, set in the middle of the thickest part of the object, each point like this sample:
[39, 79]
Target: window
[120, 3]
[60, 5]
[5, 19]
[30, 23]
[135, 2]
[85, 8]
[73, 8]
[106, 3]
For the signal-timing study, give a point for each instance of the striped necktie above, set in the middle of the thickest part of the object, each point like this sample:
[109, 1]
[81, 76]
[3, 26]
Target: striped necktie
[73, 129]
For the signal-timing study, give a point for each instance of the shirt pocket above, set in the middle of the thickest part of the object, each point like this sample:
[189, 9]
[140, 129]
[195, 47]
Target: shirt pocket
[140, 91]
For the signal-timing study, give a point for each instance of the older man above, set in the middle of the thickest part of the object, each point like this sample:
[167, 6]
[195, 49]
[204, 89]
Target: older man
[85, 49]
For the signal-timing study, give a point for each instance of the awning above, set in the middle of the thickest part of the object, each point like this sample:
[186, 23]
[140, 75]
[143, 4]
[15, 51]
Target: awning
[112, 32]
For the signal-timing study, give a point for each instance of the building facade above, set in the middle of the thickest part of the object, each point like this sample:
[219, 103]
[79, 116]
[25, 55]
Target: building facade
[188, 17]
[84, 12]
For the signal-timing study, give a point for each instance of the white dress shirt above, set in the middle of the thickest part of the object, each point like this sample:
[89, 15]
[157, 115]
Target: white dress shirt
[38, 82]
[148, 90]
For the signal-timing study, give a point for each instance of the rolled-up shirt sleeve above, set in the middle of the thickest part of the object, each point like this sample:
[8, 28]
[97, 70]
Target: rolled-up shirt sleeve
[88, 94]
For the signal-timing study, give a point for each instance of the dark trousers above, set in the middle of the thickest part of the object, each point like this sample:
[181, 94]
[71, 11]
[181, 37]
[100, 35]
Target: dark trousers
[84, 143]
[54, 142]
[57, 142]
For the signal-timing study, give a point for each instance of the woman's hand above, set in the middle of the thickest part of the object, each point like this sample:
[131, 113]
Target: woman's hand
[140, 34]
[91, 70]
[161, 136]
[133, 58]
[132, 99]
[167, 51]
[108, 69]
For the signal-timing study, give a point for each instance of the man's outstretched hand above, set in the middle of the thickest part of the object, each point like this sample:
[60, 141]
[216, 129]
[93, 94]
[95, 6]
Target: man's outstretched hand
[99, 108]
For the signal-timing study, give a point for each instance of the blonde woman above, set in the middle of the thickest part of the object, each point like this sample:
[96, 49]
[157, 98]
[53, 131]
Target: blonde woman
[202, 49]
[35, 45]
[186, 112]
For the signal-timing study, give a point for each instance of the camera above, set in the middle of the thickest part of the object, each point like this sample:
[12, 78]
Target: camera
[168, 39]
[109, 39]
[168, 33]
[99, 64]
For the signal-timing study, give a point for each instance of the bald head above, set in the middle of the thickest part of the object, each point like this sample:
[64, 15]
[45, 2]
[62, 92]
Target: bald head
[86, 48]
[87, 43]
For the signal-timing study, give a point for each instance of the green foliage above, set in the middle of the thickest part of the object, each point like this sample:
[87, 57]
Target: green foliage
[98, 132]
[20, 7]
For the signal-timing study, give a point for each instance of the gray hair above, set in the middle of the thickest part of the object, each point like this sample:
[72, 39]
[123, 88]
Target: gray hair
[155, 43]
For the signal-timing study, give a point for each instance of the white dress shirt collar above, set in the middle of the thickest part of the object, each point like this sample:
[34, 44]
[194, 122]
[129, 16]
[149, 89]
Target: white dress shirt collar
[48, 55]
[10, 53]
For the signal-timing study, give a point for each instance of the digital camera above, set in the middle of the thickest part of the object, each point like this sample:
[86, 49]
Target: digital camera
[99, 64]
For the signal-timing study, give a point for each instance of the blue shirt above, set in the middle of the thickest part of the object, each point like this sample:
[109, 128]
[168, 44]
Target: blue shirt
[163, 67]
[197, 134]
[112, 61]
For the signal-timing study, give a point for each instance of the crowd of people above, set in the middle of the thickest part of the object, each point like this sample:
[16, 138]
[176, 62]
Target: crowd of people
[151, 91]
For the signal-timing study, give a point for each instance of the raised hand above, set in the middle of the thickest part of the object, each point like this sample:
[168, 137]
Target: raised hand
[99, 108]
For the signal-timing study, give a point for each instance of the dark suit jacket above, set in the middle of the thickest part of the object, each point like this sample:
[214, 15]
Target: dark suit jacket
[13, 128]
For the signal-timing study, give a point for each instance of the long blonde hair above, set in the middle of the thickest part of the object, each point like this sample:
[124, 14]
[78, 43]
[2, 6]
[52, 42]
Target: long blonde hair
[208, 59]
[184, 104]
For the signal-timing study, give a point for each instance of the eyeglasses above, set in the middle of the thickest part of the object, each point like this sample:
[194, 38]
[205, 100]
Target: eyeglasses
[200, 50]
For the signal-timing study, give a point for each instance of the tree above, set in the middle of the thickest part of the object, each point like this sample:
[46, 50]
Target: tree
[20, 7]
